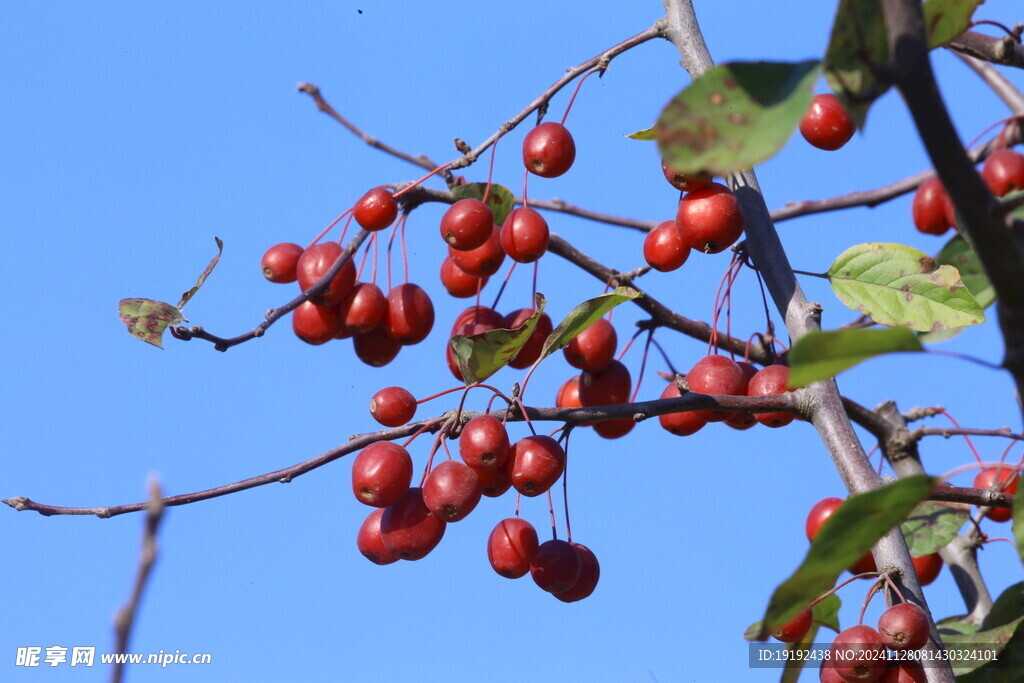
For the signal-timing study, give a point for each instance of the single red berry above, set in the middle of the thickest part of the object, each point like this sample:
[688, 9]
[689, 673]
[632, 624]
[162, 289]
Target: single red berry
[483, 444]
[409, 529]
[381, 474]
[315, 324]
[535, 464]
[393, 406]
[904, 671]
[511, 547]
[315, 262]
[467, 224]
[931, 208]
[927, 568]
[376, 348]
[827, 125]
[479, 314]
[410, 314]
[770, 381]
[452, 490]
[569, 394]
[796, 629]
[279, 262]
[494, 482]
[741, 421]
[458, 282]
[820, 514]
[556, 566]
[594, 348]
[363, 308]
[468, 329]
[828, 674]
[370, 542]
[605, 387]
[590, 574]
[717, 375]
[709, 219]
[1003, 172]
[375, 210]
[1007, 483]
[483, 261]
[530, 351]
[524, 236]
[614, 429]
[680, 424]
[859, 654]
[904, 627]
[549, 150]
[664, 248]
[681, 181]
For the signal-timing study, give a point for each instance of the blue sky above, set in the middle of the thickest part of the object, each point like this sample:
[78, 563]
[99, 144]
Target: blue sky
[132, 134]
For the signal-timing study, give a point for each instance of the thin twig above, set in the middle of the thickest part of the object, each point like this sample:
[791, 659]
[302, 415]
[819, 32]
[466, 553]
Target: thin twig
[1003, 50]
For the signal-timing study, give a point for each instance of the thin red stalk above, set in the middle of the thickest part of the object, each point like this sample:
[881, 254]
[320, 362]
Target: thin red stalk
[565, 493]
[966, 438]
[551, 511]
[643, 366]
[625, 348]
[430, 460]
[501, 290]
[328, 228]
[439, 169]
[867, 600]
[405, 255]
[419, 431]
[576, 92]
[490, 172]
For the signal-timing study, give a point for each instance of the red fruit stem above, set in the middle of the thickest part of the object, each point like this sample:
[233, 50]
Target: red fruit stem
[769, 326]
[665, 357]
[329, 226]
[576, 92]
[980, 466]
[519, 497]
[943, 412]
[490, 173]
[430, 459]
[405, 255]
[551, 512]
[419, 431]
[628, 344]
[444, 445]
[344, 230]
[720, 301]
[875, 586]
[894, 587]
[1000, 538]
[501, 290]
[840, 585]
[565, 489]
[439, 169]
[461, 388]
[643, 366]
[376, 249]
[362, 261]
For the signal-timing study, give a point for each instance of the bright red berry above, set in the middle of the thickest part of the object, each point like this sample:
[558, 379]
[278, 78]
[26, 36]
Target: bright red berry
[381, 474]
[410, 314]
[1003, 172]
[590, 574]
[494, 482]
[796, 629]
[458, 282]
[315, 324]
[743, 421]
[681, 181]
[680, 424]
[484, 443]
[770, 381]
[931, 208]
[820, 514]
[483, 261]
[279, 262]
[511, 547]
[1007, 483]
[375, 210]
[709, 219]
[535, 464]
[315, 262]
[393, 406]
[370, 542]
[376, 348]
[409, 529]
[664, 248]
[452, 490]
[927, 568]
[479, 314]
[717, 375]
[827, 125]
[594, 348]
[904, 627]
[530, 351]
[467, 224]
[556, 566]
[363, 308]
[524, 235]
[549, 150]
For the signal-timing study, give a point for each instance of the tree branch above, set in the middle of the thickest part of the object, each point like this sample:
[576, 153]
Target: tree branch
[1004, 50]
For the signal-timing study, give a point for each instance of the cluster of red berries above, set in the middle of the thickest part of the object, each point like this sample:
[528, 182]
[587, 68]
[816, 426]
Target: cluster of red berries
[932, 209]
[859, 652]
[927, 566]
[409, 522]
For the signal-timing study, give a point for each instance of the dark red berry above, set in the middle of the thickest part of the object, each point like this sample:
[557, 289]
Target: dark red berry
[524, 236]
[511, 547]
[410, 314]
[535, 464]
[709, 219]
[381, 474]
[1003, 172]
[931, 208]
[904, 671]
[279, 262]
[452, 490]
[483, 261]
[467, 224]
[605, 387]
[494, 482]
[614, 429]
[827, 125]
[556, 566]
[743, 421]
[590, 574]
[681, 181]
[1007, 483]
[530, 351]
[479, 314]
[315, 262]
[858, 654]
[376, 347]
[927, 568]
[770, 381]
[393, 406]
[458, 282]
[594, 348]
[363, 308]
[717, 375]
[315, 324]
[375, 210]
[680, 424]
[483, 444]
[796, 629]
[904, 627]
[370, 542]
[409, 529]
[549, 150]
[664, 248]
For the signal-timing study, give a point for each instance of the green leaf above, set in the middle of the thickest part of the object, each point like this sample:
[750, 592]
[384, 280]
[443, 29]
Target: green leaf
[795, 664]
[818, 356]
[958, 253]
[147, 319]
[1007, 607]
[858, 48]
[946, 19]
[735, 116]
[205, 274]
[646, 134]
[501, 200]
[956, 626]
[932, 526]
[481, 355]
[849, 533]
[826, 612]
[898, 286]
[970, 663]
[585, 315]
[1018, 527]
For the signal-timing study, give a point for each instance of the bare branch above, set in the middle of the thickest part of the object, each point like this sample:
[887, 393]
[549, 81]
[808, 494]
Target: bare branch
[1003, 50]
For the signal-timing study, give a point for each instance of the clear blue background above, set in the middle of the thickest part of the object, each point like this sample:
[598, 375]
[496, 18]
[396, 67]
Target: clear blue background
[133, 133]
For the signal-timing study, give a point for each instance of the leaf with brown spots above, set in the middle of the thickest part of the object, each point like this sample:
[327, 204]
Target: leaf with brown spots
[958, 253]
[946, 19]
[898, 286]
[481, 355]
[857, 50]
[147, 319]
[734, 116]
